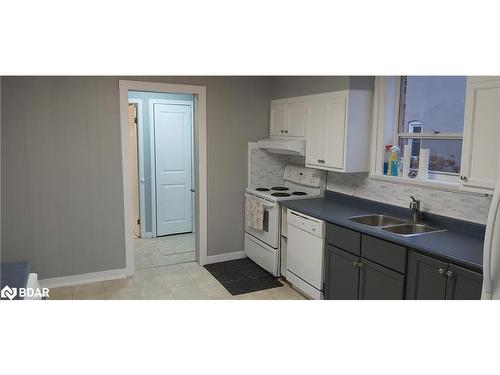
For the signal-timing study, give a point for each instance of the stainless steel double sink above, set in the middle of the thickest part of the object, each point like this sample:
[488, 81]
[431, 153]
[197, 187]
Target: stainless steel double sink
[394, 225]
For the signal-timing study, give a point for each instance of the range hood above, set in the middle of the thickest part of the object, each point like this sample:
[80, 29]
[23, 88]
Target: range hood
[285, 146]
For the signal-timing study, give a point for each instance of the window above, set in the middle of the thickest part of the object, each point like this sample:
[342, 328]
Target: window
[431, 115]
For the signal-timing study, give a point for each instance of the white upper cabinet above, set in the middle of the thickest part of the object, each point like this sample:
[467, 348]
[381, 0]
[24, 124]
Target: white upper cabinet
[338, 131]
[481, 143]
[279, 116]
[288, 118]
[296, 119]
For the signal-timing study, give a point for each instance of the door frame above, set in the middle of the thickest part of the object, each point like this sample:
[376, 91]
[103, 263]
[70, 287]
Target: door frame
[140, 165]
[200, 160]
[152, 139]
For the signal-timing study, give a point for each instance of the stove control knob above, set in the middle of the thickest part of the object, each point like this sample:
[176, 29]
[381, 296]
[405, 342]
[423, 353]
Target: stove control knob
[313, 228]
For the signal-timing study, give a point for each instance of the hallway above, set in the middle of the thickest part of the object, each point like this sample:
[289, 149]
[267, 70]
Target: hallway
[164, 251]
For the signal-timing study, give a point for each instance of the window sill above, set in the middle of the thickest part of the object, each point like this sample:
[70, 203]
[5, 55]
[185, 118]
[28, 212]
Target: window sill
[427, 184]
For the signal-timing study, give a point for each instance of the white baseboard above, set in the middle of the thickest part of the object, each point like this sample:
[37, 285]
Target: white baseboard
[148, 235]
[85, 278]
[225, 257]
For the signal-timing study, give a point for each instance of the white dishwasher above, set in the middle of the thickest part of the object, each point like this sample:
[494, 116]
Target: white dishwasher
[305, 249]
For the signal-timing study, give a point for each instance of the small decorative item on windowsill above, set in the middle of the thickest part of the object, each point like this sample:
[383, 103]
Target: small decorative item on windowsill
[406, 161]
[423, 164]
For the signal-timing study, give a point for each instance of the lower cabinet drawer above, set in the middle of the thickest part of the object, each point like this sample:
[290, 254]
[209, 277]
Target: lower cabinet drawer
[383, 252]
[343, 238]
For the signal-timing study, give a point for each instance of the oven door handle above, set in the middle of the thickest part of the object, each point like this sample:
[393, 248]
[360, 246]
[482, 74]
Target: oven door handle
[265, 203]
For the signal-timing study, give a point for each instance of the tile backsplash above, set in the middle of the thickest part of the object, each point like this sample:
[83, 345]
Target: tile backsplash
[268, 169]
[463, 206]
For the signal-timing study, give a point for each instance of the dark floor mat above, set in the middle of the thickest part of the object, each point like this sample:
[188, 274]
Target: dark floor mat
[241, 276]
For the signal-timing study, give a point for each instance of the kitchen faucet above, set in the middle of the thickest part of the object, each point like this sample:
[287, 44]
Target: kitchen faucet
[415, 209]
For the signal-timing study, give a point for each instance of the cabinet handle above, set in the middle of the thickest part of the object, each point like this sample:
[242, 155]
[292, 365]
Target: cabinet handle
[360, 265]
[282, 131]
[355, 264]
[440, 271]
[286, 131]
[463, 178]
[449, 273]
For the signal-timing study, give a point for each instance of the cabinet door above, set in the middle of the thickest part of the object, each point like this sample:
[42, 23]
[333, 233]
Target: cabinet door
[315, 131]
[334, 134]
[463, 283]
[426, 277]
[279, 113]
[341, 274]
[377, 282]
[296, 126]
[481, 143]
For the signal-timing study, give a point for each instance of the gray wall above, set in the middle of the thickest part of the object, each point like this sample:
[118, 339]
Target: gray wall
[62, 199]
[290, 86]
[62, 195]
[145, 97]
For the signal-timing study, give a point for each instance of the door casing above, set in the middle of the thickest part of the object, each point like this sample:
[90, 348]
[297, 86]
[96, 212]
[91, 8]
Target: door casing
[200, 160]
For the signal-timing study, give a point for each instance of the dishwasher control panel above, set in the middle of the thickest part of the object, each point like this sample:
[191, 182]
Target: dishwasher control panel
[306, 223]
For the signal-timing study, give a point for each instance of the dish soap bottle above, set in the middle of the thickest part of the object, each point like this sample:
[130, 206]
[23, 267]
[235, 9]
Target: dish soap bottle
[393, 167]
[387, 153]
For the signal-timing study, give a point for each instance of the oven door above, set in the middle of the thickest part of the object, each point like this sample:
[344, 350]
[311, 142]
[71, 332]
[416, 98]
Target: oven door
[270, 232]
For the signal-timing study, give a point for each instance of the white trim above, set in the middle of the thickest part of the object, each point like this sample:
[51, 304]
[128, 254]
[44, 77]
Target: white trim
[140, 163]
[148, 235]
[85, 278]
[429, 184]
[457, 136]
[152, 147]
[225, 257]
[200, 130]
[380, 119]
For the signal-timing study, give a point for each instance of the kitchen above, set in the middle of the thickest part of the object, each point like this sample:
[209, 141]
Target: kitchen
[328, 200]
[366, 233]
[356, 188]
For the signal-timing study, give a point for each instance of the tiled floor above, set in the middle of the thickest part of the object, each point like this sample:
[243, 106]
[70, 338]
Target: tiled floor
[164, 251]
[165, 269]
[179, 281]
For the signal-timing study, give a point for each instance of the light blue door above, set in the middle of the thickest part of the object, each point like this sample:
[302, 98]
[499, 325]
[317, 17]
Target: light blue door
[173, 146]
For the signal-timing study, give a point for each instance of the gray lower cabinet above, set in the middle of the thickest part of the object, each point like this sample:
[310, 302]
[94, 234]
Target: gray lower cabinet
[463, 283]
[380, 283]
[426, 277]
[430, 279]
[349, 277]
[341, 274]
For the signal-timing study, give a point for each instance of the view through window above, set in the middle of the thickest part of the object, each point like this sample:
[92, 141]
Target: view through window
[431, 116]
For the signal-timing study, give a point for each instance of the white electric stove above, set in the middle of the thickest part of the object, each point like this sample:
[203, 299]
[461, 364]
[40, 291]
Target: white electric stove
[264, 246]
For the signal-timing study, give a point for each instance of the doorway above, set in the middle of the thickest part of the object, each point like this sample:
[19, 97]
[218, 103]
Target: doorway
[164, 165]
[166, 173]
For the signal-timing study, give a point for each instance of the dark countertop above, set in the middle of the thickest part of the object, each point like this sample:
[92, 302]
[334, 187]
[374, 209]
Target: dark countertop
[462, 243]
[15, 275]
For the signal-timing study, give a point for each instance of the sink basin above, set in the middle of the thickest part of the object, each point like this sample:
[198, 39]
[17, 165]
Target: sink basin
[377, 220]
[407, 230]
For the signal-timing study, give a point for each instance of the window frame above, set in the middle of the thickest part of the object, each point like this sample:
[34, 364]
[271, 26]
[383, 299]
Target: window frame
[398, 136]
[386, 119]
